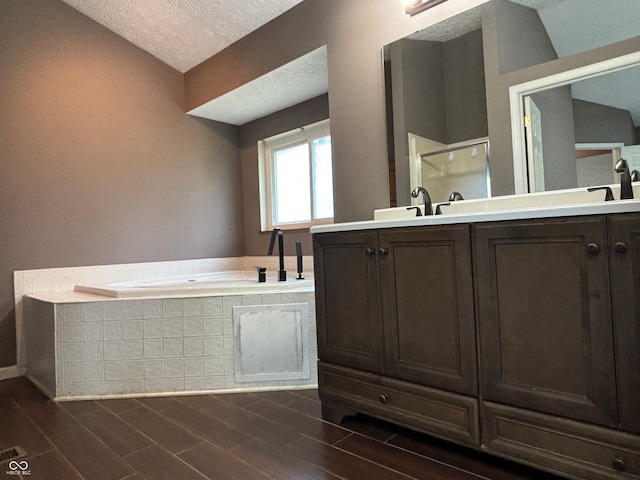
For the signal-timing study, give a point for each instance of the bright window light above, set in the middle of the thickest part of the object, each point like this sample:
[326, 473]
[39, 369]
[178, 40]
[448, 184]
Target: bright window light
[296, 178]
[291, 185]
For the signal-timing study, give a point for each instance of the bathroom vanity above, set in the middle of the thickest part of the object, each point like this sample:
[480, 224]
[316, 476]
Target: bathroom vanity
[512, 331]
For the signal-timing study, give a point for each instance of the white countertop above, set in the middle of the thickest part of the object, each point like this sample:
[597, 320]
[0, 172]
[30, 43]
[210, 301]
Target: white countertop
[599, 208]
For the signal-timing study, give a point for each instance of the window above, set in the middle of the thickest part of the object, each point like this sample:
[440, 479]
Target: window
[296, 182]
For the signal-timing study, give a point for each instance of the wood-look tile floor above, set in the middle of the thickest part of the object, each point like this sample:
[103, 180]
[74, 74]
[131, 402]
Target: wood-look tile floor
[249, 436]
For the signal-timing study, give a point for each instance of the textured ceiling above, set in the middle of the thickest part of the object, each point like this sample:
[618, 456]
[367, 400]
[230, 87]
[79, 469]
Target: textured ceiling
[293, 83]
[182, 33]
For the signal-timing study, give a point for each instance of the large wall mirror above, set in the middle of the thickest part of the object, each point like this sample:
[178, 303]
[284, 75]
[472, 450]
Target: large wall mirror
[449, 87]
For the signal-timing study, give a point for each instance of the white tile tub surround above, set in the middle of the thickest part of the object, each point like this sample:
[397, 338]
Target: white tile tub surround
[62, 280]
[119, 348]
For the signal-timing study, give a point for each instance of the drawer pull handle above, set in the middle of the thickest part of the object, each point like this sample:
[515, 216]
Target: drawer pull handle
[619, 464]
[370, 251]
[593, 249]
[383, 399]
[383, 251]
[621, 247]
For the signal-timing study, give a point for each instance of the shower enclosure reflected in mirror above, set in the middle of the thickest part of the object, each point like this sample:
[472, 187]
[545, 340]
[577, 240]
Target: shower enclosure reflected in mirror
[462, 168]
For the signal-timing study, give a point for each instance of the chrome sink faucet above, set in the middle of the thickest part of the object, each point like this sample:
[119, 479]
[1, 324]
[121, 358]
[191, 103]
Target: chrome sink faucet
[428, 209]
[282, 273]
[626, 190]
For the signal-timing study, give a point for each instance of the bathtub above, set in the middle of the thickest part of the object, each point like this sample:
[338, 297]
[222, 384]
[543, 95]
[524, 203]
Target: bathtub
[204, 284]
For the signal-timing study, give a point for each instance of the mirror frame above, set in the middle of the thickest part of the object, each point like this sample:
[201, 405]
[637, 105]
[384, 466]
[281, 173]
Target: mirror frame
[517, 93]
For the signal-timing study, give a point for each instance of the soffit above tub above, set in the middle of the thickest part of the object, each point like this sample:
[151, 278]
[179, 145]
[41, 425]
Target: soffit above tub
[182, 33]
[302, 79]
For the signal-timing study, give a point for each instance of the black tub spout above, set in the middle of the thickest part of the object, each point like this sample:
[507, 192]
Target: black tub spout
[282, 273]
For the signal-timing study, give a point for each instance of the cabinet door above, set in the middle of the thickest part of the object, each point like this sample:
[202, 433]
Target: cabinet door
[624, 231]
[347, 304]
[427, 304]
[544, 316]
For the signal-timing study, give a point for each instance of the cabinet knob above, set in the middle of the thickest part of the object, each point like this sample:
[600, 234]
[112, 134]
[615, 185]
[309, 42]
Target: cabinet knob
[383, 251]
[621, 247]
[619, 464]
[593, 249]
[383, 399]
[370, 251]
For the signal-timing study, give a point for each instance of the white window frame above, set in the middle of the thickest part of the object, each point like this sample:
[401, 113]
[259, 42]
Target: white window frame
[266, 149]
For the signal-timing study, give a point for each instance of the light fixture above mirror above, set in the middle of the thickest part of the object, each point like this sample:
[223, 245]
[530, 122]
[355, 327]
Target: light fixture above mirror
[413, 7]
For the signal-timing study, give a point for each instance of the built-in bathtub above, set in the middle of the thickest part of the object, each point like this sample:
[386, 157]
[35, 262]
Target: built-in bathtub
[213, 283]
[195, 333]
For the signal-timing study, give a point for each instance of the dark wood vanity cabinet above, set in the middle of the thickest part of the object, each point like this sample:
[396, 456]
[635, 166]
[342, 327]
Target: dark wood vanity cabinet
[347, 300]
[558, 317]
[519, 337]
[426, 296]
[544, 316]
[398, 304]
[559, 340]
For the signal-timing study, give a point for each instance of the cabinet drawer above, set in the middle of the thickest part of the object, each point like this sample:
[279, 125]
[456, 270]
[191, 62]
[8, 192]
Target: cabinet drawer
[573, 448]
[441, 414]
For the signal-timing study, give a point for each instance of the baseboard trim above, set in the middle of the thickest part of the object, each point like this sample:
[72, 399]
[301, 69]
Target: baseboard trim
[11, 372]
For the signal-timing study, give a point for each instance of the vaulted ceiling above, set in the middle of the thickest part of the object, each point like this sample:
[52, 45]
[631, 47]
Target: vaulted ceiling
[182, 33]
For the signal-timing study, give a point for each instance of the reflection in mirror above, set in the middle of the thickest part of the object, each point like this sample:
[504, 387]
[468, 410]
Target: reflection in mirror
[435, 92]
[576, 26]
[463, 168]
[578, 124]
[503, 43]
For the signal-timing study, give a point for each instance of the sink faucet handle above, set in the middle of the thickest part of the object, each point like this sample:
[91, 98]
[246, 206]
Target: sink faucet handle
[439, 207]
[417, 209]
[608, 197]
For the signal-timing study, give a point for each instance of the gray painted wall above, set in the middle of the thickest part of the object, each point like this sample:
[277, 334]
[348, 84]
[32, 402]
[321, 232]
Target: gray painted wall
[98, 162]
[419, 87]
[464, 88]
[596, 123]
[522, 40]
